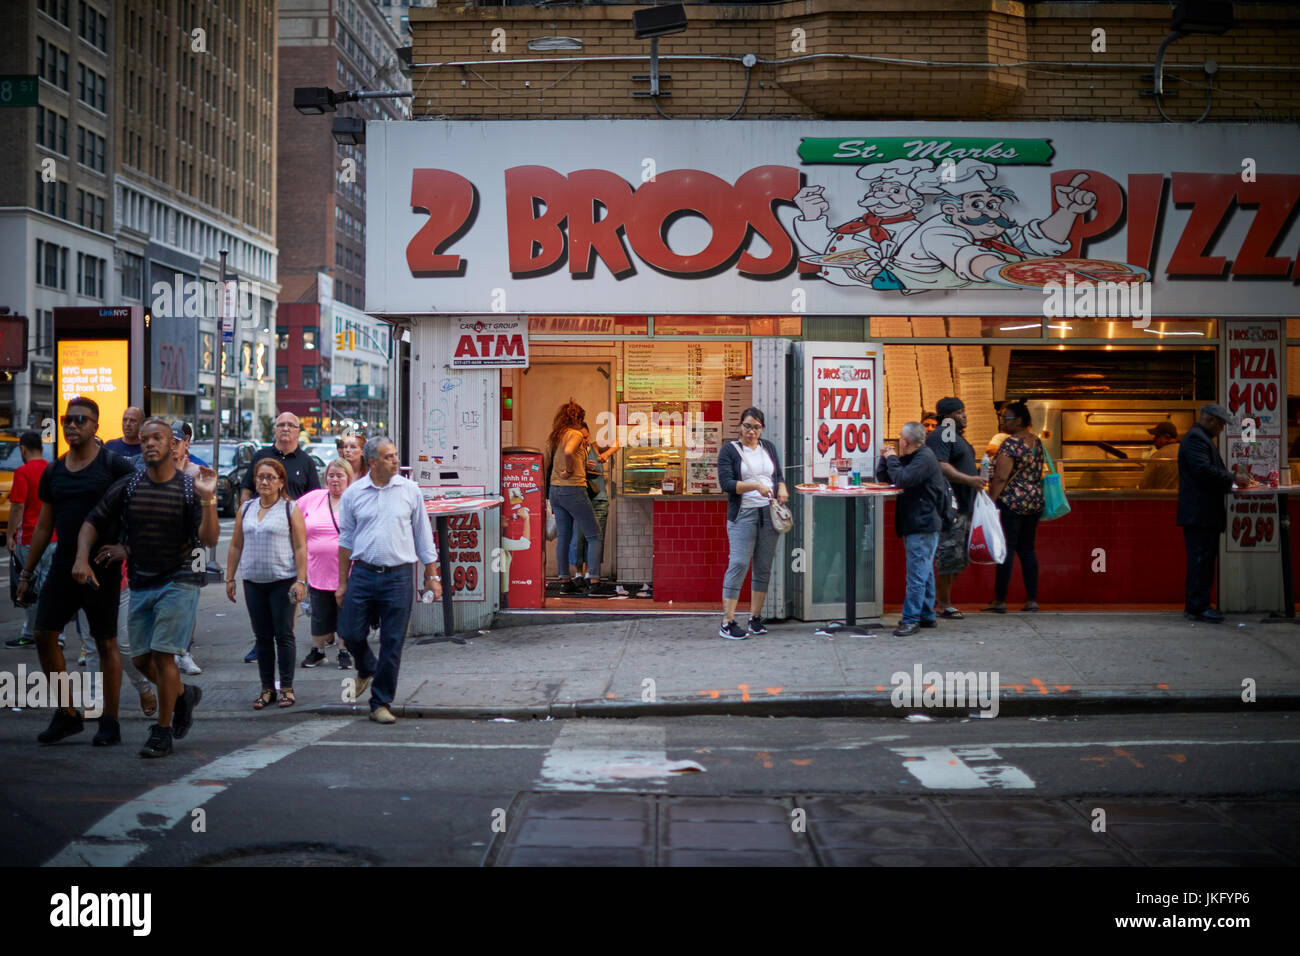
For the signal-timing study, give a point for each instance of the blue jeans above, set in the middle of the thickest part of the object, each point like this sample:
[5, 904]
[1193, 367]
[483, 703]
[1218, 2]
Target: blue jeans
[918, 605]
[571, 507]
[390, 595]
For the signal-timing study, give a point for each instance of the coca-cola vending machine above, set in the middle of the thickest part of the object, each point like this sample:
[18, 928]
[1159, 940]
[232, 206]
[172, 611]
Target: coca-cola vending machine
[523, 529]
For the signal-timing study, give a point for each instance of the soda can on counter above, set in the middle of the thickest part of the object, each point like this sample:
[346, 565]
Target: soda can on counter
[857, 478]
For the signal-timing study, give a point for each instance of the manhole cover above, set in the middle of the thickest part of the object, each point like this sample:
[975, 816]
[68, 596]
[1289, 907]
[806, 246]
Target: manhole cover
[287, 855]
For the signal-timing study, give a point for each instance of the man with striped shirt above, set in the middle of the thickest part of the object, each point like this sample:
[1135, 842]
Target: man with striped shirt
[383, 529]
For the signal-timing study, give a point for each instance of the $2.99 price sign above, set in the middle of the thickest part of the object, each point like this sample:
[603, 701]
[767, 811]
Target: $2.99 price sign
[1252, 524]
[465, 552]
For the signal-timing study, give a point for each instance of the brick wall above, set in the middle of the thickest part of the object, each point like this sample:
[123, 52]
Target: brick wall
[691, 550]
[1051, 70]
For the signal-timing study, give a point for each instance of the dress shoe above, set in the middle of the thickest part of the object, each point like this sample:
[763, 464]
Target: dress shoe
[1209, 616]
[907, 628]
[382, 715]
[359, 686]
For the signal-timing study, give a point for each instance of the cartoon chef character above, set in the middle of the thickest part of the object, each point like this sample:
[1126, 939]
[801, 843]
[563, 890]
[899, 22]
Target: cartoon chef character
[971, 233]
[891, 205]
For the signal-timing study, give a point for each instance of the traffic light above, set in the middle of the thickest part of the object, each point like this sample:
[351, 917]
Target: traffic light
[345, 341]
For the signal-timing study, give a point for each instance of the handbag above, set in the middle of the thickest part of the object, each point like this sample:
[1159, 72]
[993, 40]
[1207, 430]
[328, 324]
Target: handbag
[987, 543]
[782, 517]
[552, 532]
[1055, 504]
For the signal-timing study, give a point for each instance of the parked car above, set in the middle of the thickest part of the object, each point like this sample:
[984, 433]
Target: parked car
[236, 456]
[11, 459]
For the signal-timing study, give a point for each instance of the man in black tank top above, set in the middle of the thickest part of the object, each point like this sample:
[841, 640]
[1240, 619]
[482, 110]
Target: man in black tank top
[69, 489]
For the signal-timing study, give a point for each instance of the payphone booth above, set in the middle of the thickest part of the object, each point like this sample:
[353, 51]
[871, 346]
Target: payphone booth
[98, 354]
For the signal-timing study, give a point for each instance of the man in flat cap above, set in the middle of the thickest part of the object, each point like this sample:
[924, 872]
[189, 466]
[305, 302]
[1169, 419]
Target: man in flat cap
[1203, 480]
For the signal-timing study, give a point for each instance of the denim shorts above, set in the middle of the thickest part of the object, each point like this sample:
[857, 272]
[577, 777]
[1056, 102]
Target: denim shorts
[162, 618]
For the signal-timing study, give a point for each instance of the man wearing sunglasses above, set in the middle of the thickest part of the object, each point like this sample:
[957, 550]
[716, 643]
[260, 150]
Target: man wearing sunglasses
[69, 489]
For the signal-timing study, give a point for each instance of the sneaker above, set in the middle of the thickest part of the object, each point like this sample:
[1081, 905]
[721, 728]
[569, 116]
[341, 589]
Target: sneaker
[646, 592]
[183, 715]
[20, 642]
[314, 657]
[345, 660]
[601, 589]
[186, 663]
[756, 625]
[732, 631]
[110, 732]
[382, 715]
[621, 591]
[251, 656]
[574, 586]
[159, 743]
[930, 623]
[61, 725]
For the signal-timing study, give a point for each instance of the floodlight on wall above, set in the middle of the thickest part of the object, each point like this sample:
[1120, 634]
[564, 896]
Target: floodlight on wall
[659, 21]
[1191, 17]
[652, 23]
[349, 130]
[314, 100]
[541, 44]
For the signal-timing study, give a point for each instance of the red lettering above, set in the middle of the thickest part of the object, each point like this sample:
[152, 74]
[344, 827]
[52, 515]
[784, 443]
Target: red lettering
[1273, 197]
[1110, 204]
[466, 347]
[449, 200]
[590, 237]
[680, 192]
[1211, 196]
[757, 192]
[535, 243]
[510, 345]
[823, 399]
[1146, 193]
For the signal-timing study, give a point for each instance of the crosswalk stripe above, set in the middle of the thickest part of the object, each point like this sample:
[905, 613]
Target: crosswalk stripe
[114, 840]
[962, 768]
[602, 755]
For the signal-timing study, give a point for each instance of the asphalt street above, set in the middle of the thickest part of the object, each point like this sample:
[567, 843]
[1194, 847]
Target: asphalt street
[309, 790]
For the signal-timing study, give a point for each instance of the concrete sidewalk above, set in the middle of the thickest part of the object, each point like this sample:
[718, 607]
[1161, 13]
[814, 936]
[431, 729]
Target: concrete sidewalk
[593, 665]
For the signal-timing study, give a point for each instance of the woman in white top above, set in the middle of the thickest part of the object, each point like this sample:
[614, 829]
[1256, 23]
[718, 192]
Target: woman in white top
[270, 527]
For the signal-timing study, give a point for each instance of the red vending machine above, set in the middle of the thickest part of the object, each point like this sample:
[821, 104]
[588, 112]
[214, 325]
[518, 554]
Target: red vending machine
[523, 529]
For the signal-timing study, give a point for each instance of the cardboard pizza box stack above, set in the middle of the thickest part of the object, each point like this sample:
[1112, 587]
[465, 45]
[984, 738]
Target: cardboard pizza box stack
[928, 327]
[935, 373]
[891, 327]
[965, 326]
[902, 388]
[737, 395]
[975, 388]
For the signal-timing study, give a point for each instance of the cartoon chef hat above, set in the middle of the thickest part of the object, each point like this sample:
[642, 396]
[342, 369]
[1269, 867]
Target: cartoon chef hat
[897, 170]
[957, 179]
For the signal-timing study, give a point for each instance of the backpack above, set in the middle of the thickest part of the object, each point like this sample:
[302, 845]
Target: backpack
[191, 504]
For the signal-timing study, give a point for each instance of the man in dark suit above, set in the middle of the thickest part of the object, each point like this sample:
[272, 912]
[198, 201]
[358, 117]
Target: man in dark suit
[1203, 480]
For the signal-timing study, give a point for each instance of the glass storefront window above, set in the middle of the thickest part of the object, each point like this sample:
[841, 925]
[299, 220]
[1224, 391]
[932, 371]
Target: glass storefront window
[956, 327]
[1162, 331]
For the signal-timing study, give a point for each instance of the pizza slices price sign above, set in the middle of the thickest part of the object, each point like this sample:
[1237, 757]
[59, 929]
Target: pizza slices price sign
[1255, 395]
[843, 413]
[1254, 525]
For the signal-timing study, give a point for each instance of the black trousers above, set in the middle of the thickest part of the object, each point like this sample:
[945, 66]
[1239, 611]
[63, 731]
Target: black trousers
[1202, 546]
[1020, 531]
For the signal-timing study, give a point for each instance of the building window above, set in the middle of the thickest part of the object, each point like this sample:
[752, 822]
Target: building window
[55, 9]
[281, 377]
[52, 197]
[90, 211]
[282, 337]
[92, 26]
[90, 87]
[132, 276]
[51, 265]
[51, 130]
[309, 376]
[90, 275]
[309, 339]
[52, 64]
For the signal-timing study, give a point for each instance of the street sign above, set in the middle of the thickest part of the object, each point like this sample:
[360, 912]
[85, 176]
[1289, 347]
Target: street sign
[18, 90]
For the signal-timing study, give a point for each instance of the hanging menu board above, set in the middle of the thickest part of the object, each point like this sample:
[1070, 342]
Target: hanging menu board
[681, 371]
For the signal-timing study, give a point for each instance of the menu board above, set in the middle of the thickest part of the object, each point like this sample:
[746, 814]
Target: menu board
[662, 371]
[1256, 400]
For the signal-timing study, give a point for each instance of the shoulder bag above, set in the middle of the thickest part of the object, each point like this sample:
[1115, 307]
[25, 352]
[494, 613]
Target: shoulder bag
[1055, 504]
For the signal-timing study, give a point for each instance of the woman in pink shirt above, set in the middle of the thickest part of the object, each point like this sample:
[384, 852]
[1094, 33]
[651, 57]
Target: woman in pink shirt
[320, 510]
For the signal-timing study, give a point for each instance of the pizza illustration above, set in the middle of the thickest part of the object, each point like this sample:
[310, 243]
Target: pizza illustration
[848, 259]
[1036, 273]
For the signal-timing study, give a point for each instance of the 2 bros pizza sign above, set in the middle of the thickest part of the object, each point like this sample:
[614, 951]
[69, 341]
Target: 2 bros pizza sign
[579, 226]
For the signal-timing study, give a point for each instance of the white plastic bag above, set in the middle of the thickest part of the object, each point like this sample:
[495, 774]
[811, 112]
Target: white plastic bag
[552, 532]
[988, 545]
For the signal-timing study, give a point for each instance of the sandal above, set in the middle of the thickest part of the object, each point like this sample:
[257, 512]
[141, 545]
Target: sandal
[148, 702]
[286, 697]
[952, 614]
[264, 699]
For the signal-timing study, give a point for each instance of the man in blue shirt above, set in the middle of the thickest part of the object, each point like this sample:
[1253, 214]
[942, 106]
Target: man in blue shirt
[383, 529]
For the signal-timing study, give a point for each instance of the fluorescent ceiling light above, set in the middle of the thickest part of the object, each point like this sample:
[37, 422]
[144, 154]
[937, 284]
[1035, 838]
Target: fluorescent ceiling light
[1163, 332]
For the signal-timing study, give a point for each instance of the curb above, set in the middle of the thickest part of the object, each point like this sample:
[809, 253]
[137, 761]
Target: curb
[842, 705]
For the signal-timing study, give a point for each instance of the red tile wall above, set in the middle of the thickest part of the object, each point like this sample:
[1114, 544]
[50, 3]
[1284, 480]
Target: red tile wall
[1145, 561]
[691, 550]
